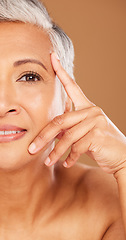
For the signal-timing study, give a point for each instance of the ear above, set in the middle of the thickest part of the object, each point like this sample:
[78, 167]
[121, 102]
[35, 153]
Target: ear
[68, 105]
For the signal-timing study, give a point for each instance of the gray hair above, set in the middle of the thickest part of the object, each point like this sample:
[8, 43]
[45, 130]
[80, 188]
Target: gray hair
[34, 12]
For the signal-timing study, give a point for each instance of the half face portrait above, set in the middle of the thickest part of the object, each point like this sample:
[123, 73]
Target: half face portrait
[30, 93]
[43, 115]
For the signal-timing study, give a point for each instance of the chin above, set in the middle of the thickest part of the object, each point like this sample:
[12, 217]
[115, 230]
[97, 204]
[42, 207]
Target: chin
[15, 156]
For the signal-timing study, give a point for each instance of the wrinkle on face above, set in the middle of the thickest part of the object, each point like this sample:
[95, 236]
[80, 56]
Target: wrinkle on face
[26, 41]
[39, 102]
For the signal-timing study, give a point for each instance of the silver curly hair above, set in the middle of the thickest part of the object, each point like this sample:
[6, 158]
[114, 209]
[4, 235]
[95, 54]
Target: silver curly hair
[34, 12]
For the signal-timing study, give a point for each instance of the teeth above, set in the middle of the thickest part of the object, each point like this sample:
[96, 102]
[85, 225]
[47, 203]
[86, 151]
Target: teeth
[9, 132]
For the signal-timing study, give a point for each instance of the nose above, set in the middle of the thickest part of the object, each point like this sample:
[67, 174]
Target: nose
[8, 101]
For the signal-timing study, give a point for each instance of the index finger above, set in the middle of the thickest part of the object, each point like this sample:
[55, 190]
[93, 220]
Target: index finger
[75, 93]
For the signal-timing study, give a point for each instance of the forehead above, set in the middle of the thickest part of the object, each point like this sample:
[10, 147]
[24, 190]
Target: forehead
[23, 39]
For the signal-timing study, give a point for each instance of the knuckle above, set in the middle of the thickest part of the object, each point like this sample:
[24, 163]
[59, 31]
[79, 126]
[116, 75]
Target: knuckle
[98, 133]
[56, 152]
[58, 120]
[74, 148]
[40, 138]
[68, 134]
[97, 109]
[74, 156]
[102, 119]
[71, 160]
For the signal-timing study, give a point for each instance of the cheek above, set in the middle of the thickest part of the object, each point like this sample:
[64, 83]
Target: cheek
[41, 103]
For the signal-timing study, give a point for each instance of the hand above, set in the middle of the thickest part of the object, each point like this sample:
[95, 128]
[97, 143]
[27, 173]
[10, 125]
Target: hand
[86, 130]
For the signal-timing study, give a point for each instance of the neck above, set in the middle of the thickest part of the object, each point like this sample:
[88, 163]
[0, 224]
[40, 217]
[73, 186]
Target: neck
[23, 193]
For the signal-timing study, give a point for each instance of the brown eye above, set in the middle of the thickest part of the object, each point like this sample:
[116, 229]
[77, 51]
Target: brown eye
[30, 77]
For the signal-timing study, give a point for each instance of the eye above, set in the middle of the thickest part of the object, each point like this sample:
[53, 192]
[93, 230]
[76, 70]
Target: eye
[30, 77]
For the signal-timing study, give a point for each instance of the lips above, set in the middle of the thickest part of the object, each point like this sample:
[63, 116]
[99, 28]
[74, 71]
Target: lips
[10, 128]
[10, 133]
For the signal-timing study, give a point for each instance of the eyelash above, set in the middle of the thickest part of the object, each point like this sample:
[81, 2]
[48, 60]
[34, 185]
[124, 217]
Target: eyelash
[29, 74]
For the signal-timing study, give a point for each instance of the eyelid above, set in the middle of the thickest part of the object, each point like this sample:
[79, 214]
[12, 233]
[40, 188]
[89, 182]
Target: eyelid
[28, 73]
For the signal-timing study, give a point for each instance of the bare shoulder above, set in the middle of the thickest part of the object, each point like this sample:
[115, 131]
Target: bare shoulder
[92, 182]
[93, 199]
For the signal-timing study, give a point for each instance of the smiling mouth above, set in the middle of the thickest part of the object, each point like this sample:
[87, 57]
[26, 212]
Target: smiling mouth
[9, 132]
[8, 136]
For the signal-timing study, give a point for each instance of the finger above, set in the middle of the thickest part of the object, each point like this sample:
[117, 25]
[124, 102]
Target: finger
[71, 159]
[60, 124]
[69, 138]
[73, 90]
[80, 147]
[55, 127]
[89, 144]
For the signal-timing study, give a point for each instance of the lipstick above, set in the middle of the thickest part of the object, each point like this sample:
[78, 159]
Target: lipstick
[10, 133]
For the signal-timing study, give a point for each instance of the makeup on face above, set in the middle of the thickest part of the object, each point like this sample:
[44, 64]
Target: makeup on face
[10, 133]
[28, 92]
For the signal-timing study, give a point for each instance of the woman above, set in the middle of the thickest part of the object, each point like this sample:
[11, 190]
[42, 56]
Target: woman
[39, 197]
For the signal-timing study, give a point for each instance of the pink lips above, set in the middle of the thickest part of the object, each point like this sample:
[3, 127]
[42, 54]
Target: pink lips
[11, 136]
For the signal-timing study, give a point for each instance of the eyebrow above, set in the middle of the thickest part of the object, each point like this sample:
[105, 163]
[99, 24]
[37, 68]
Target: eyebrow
[24, 61]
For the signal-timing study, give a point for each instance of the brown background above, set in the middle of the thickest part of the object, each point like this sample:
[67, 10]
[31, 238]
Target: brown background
[98, 31]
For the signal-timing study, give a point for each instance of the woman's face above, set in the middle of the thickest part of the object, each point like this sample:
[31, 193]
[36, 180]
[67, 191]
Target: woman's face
[30, 95]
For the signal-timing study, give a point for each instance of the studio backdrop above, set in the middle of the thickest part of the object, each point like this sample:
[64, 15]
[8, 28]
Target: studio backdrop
[98, 31]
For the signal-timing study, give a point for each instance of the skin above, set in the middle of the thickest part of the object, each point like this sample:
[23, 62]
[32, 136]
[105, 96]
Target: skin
[54, 202]
[23, 175]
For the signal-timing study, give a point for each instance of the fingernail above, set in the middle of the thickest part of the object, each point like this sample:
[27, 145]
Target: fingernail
[32, 148]
[47, 161]
[65, 164]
